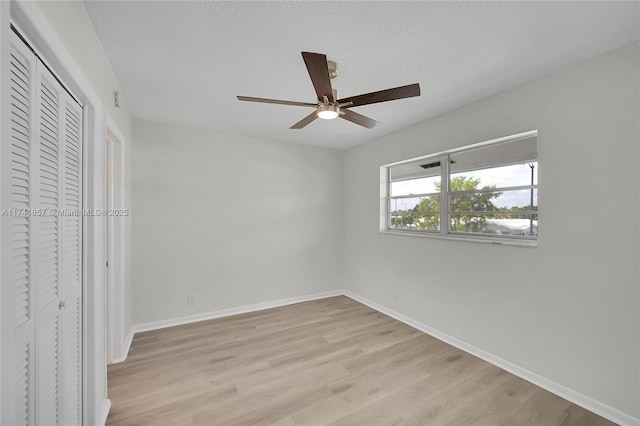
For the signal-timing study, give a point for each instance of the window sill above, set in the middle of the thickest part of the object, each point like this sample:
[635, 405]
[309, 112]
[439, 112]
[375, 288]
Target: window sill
[471, 239]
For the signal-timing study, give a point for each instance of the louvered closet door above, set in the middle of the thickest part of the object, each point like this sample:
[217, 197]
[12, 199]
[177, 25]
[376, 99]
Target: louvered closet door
[46, 256]
[58, 266]
[71, 397]
[19, 196]
[49, 246]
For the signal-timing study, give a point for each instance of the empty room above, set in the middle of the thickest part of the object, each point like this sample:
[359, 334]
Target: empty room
[305, 213]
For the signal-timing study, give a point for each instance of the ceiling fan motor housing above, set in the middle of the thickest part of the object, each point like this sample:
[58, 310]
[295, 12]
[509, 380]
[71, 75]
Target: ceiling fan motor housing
[333, 69]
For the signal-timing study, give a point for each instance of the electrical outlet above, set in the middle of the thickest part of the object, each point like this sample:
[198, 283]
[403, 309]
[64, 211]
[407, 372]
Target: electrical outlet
[395, 294]
[191, 300]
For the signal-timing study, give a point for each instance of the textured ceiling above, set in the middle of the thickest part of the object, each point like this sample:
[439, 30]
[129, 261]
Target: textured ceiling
[185, 62]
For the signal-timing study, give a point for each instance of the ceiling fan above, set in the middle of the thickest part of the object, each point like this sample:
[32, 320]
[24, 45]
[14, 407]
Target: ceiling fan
[329, 106]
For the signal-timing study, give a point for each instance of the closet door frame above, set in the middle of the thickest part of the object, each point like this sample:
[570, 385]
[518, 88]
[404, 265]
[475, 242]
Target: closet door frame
[35, 28]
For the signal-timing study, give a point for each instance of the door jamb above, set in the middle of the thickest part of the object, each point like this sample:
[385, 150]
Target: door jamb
[114, 243]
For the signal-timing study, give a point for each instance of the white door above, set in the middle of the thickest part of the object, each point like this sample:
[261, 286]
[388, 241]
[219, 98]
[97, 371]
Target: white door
[46, 257]
[17, 253]
[72, 264]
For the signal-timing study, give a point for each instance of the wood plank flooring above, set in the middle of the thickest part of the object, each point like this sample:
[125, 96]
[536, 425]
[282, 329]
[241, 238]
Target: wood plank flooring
[327, 362]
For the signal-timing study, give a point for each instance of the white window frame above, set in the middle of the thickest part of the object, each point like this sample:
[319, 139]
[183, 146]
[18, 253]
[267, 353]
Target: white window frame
[444, 232]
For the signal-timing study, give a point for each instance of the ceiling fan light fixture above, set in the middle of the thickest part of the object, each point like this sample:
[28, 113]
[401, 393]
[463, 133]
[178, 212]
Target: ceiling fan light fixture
[328, 112]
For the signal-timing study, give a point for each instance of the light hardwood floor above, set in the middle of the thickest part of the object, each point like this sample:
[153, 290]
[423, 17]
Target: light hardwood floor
[332, 361]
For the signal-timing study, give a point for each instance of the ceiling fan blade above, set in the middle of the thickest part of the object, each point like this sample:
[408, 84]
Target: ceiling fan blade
[360, 119]
[319, 72]
[275, 101]
[308, 119]
[383, 95]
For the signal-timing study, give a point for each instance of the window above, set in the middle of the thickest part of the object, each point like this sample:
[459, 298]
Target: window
[486, 191]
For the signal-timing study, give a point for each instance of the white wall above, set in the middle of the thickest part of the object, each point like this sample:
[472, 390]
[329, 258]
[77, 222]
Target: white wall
[231, 220]
[567, 310]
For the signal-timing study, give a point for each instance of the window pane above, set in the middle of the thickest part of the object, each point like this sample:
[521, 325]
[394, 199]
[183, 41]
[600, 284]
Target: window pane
[429, 204]
[416, 221]
[415, 186]
[426, 167]
[514, 201]
[519, 151]
[419, 213]
[514, 175]
[517, 224]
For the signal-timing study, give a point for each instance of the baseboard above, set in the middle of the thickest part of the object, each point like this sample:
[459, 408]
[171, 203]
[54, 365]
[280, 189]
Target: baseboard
[577, 398]
[104, 411]
[127, 342]
[156, 325]
[125, 348]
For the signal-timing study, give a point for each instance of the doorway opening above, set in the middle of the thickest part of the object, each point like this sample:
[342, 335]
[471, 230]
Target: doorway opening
[114, 266]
